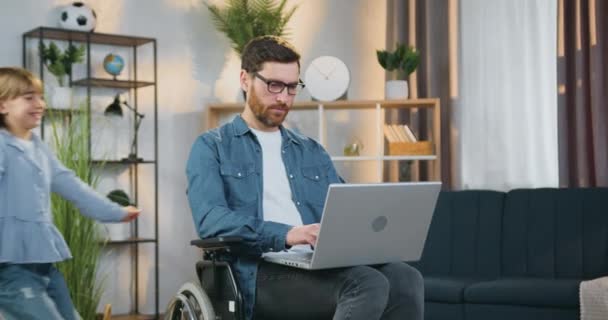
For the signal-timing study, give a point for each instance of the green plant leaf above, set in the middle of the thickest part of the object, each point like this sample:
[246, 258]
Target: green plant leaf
[120, 197]
[382, 57]
[404, 59]
[243, 20]
[60, 63]
[410, 61]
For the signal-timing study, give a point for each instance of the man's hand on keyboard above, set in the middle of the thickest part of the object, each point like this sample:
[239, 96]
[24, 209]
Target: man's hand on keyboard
[306, 234]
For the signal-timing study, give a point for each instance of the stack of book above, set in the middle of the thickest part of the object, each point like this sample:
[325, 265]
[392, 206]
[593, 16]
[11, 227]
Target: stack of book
[399, 133]
[402, 141]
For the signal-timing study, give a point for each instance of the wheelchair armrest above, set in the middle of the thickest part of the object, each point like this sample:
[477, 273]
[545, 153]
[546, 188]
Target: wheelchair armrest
[218, 243]
[213, 248]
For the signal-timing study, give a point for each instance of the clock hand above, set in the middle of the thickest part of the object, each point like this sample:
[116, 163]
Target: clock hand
[321, 72]
[332, 70]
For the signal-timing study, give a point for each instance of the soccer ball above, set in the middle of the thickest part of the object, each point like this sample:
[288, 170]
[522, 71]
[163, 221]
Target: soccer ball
[78, 16]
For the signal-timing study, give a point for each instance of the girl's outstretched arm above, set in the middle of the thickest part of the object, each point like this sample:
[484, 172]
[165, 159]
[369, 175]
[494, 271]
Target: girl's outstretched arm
[90, 203]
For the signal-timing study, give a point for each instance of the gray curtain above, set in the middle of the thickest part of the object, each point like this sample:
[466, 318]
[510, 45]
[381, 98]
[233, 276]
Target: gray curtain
[583, 93]
[433, 74]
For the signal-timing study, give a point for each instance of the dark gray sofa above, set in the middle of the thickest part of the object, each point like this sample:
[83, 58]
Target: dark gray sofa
[515, 255]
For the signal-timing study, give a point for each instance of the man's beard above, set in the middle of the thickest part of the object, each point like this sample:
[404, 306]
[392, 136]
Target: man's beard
[264, 113]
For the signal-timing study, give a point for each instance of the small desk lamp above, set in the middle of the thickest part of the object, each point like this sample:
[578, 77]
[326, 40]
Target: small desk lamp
[115, 109]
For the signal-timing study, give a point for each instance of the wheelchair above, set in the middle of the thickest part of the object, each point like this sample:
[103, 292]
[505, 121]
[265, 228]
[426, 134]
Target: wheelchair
[217, 296]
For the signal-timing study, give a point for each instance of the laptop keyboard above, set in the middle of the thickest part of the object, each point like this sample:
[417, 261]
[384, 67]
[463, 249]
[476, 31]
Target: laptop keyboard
[293, 256]
[299, 256]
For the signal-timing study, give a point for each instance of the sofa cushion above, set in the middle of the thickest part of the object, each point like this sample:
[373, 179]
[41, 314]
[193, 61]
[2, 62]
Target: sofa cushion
[446, 289]
[534, 292]
[464, 236]
[555, 233]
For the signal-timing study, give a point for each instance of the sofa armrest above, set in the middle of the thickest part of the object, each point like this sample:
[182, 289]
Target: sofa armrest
[416, 264]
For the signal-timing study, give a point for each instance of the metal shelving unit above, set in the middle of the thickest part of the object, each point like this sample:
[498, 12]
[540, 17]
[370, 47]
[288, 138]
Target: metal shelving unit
[90, 83]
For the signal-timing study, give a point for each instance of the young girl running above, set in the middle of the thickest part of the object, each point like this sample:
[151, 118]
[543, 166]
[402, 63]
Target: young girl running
[30, 285]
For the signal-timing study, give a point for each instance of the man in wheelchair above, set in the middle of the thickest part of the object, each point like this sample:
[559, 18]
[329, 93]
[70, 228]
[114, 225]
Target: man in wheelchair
[254, 179]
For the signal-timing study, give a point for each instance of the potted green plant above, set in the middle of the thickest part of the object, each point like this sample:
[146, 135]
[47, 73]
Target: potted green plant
[70, 143]
[403, 61]
[243, 20]
[59, 63]
[118, 231]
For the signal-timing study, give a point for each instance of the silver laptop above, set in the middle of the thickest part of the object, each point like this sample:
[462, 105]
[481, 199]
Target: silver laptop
[366, 224]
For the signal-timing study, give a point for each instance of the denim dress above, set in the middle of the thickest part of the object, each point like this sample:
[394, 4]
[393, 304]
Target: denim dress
[27, 232]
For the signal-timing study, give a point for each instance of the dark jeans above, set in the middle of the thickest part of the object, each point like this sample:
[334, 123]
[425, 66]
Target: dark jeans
[389, 291]
[34, 291]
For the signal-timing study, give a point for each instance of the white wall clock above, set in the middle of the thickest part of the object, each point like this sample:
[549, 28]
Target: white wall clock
[327, 78]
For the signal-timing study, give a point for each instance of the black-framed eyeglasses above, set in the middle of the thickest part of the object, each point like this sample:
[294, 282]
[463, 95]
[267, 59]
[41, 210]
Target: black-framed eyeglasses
[275, 86]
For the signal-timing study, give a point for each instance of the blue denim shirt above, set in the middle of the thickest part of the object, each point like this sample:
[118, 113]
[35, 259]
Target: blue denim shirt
[225, 190]
[27, 232]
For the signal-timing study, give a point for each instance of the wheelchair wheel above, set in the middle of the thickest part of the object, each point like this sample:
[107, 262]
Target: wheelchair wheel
[190, 303]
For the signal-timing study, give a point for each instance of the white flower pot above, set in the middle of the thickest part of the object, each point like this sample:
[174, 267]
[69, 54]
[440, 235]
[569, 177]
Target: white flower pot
[116, 231]
[61, 98]
[396, 89]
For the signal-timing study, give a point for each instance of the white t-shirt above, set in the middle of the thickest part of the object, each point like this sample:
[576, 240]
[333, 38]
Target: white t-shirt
[28, 146]
[277, 203]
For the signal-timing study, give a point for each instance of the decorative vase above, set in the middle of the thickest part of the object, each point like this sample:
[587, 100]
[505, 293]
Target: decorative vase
[61, 98]
[396, 89]
[116, 231]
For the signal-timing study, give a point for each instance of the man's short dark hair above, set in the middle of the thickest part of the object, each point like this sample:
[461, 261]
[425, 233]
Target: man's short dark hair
[267, 49]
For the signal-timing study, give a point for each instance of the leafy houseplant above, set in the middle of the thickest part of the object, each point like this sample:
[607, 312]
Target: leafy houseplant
[70, 142]
[404, 60]
[243, 20]
[59, 62]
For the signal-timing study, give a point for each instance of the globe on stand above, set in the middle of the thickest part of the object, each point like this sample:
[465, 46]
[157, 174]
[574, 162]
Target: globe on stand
[113, 64]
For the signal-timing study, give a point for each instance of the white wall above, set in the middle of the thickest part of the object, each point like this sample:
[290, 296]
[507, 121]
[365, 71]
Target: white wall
[196, 67]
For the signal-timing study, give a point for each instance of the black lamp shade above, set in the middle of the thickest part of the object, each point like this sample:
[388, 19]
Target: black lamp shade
[114, 108]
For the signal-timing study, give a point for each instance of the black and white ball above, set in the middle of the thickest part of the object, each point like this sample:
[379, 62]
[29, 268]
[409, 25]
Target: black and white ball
[77, 16]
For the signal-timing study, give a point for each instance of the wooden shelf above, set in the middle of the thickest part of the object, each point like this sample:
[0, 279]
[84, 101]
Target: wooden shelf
[111, 83]
[81, 36]
[341, 104]
[382, 158]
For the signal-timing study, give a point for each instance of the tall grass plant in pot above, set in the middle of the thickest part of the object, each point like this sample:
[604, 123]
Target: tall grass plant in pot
[401, 63]
[70, 141]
